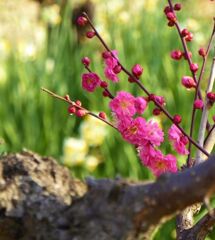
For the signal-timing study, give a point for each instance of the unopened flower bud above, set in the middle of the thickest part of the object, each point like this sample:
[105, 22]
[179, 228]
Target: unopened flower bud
[137, 70]
[131, 79]
[198, 104]
[156, 112]
[67, 97]
[171, 16]
[85, 61]
[103, 84]
[184, 139]
[117, 69]
[176, 54]
[102, 115]
[189, 37]
[177, 119]
[81, 113]
[194, 67]
[90, 34]
[184, 32]
[81, 21]
[211, 96]
[71, 109]
[170, 24]
[167, 9]
[105, 93]
[177, 7]
[202, 52]
[78, 102]
[188, 82]
[106, 54]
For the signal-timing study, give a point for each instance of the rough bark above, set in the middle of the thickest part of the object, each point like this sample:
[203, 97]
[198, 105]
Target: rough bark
[39, 200]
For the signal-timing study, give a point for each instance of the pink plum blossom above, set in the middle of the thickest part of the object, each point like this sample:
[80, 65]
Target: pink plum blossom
[123, 104]
[90, 81]
[162, 164]
[178, 140]
[154, 133]
[140, 104]
[156, 161]
[134, 132]
[110, 64]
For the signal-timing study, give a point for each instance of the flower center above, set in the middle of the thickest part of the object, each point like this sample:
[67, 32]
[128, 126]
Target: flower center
[132, 130]
[160, 165]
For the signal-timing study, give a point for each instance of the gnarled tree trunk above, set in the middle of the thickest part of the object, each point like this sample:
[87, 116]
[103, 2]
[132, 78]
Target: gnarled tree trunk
[40, 201]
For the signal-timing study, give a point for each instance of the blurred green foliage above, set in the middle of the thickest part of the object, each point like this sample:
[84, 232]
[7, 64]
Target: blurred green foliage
[31, 119]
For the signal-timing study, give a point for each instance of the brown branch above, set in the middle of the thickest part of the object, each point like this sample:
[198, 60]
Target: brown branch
[38, 199]
[201, 229]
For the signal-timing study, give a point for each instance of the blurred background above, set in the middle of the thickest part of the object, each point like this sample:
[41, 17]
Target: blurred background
[40, 45]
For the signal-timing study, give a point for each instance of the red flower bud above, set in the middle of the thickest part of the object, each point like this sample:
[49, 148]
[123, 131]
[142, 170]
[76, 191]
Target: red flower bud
[211, 96]
[117, 69]
[177, 119]
[137, 70]
[188, 82]
[167, 9]
[131, 80]
[81, 113]
[102, 115]
[176, 55]
[171, 24]
[85, 61]
[90, 34]
[105, 93]
[71, 109]
[103, 84]
[184, 32]
[202, 52]
[156, 111]
[189, 37]
[78, 102]
[177, 7]
[184, 139]
[67, 97]
[81, 21]
[194, 67]
[106, 54]
[198, 104]
[171, 16]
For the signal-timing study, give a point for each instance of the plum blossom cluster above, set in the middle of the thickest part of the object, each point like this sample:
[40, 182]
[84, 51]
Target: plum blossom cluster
[127, 110]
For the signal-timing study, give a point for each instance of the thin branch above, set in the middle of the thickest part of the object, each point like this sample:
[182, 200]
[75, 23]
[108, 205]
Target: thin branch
[201, 228]
[197, 90]
[77, 106]
[209, 133]
[203, 123]
[142, 87]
